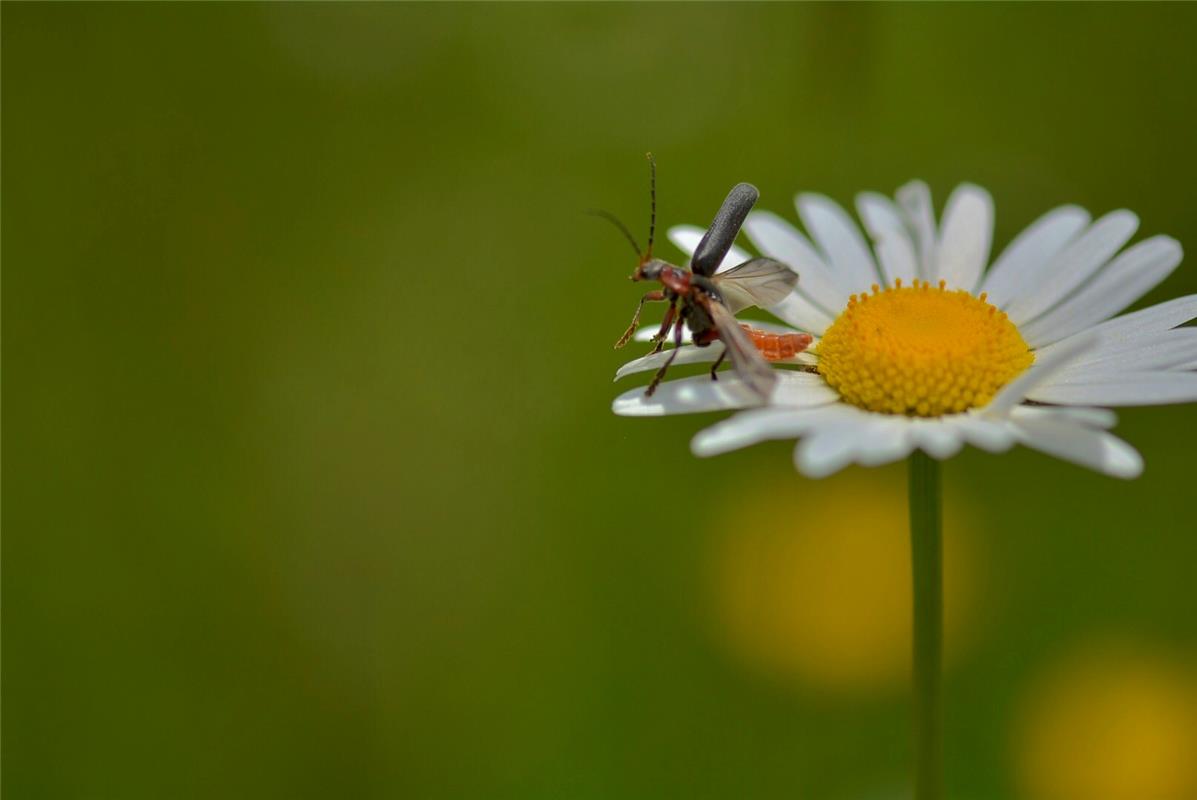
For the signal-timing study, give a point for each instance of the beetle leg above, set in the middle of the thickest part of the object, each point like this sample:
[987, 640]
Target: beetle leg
[656, 296]
[663, 332]
[677, 343]
[718, 361]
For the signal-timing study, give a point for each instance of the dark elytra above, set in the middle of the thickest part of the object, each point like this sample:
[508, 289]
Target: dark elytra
[719, 237]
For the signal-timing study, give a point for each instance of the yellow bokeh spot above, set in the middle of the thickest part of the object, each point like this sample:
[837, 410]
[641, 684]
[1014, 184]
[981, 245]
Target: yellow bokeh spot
[814, 588]
[1110, 724]
[921, 350]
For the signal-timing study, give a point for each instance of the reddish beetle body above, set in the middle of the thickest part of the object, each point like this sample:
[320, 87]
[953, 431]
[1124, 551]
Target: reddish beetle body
[777, 346]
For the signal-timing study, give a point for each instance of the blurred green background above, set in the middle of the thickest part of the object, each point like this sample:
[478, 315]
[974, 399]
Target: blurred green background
[311, 485]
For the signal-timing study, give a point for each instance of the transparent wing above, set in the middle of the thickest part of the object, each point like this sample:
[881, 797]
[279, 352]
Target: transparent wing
[749, 363]
[760, 282]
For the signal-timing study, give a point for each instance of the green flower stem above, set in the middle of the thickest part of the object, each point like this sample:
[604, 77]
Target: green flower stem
[926, 551]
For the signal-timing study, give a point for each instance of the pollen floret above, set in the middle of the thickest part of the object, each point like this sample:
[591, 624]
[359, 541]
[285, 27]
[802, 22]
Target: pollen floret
[921, 350]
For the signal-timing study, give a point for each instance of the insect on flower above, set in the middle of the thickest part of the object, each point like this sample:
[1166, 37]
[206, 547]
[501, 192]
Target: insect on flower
[706, 302]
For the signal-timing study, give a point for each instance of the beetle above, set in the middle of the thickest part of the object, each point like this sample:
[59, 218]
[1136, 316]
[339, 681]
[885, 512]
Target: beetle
[706, 302]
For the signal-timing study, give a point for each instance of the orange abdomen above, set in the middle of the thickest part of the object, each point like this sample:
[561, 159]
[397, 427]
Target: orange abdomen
[777, 346]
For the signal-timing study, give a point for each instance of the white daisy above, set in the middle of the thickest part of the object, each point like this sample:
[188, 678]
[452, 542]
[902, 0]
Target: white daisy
[920, 347]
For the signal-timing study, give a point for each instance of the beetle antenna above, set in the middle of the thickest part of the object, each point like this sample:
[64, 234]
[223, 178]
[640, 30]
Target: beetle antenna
[614, 220]
[652, 193]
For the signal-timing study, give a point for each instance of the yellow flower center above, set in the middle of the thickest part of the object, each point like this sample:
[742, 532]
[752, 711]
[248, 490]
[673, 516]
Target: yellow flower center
[921, 350]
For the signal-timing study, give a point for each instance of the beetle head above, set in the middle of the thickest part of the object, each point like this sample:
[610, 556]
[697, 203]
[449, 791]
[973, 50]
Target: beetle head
[649, 270]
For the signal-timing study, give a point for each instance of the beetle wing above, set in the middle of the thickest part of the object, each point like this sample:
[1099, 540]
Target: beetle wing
[750, 365]
[719, 237]
[760, 282]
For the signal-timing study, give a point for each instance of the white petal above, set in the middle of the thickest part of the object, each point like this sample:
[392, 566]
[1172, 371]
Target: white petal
[1127, 389]
[993, 435]
[886, 438]
[965, 236]
[802, 314]
[755, 426]
[685, 396]
[895, 250]
[689, 354]
[827, 450]
[1044, 367]
[1142, 325]
[898, 260]
[802, 389]
[1089, 417]
[1127, 278]
[687, 237]
[1073, 266]
[647, 332]
[699, 393]
[1024, 258]
[935, 438]
[843, 434]
[915, 200]
[880, 215]
[837, 434]
[1094, 449]
[776, 238]
[838, 238]
[1166, 350]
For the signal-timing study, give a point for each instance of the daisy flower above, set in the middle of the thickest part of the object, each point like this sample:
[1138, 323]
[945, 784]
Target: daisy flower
[923, 345]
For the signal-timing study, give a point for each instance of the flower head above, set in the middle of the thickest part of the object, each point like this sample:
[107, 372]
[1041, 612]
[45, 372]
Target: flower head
[920, 346]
